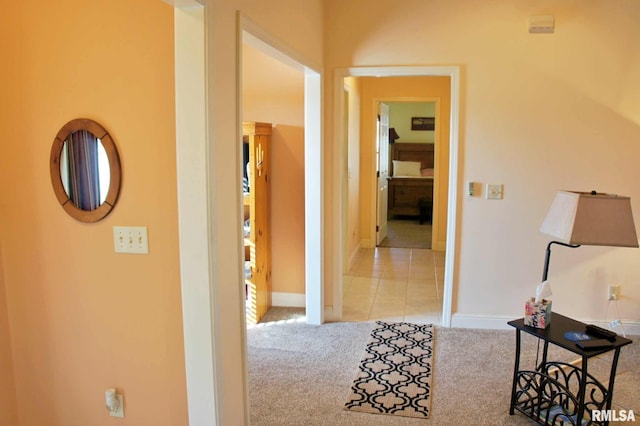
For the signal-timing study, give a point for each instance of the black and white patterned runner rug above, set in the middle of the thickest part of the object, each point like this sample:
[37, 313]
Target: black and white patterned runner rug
[395, 375]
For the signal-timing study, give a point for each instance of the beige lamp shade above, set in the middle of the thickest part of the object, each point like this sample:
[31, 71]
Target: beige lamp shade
[591, 219]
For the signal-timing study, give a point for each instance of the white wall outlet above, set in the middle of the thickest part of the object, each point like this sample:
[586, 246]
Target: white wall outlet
[494, 191]
[119, 412]
[613, 292]
[130, 239]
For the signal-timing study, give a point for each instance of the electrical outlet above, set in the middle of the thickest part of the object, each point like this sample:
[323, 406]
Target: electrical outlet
[130, 239]
[120, 411]
[613, 292]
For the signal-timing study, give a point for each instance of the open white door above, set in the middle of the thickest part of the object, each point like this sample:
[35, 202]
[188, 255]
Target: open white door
[382, 156]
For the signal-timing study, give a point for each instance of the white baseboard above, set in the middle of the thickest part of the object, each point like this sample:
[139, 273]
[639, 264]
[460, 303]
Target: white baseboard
[352, 258]
[499, 322]
[330, 314]
[297, 300]
[631, 328]
[494, 322]
[367, 244]
[289, 300]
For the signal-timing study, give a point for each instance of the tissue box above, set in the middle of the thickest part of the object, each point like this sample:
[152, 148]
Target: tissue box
[537, 315]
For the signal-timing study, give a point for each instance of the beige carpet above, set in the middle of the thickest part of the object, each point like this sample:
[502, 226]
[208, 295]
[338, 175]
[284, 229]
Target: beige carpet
[407, 233]
[394, 376]
[299, 374]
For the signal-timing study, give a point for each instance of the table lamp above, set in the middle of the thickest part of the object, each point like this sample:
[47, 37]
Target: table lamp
[589, 218]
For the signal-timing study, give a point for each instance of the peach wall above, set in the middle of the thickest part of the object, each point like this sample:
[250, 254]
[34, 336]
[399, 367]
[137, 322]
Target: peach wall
[273, 92]
[397, 89]
[8, 404]
[353, 167]
[10, 88]
[82, 318]
[538, 113]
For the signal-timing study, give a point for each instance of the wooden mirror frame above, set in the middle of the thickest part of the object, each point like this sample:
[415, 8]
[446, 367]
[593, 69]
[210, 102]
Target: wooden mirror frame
[115, 172]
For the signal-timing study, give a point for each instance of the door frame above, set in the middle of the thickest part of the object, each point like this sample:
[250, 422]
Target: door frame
[435, 217]
[213, 317]
[453, 72]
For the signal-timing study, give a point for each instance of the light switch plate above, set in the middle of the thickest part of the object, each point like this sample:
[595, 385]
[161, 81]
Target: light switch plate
[130, 239]
[494, 191]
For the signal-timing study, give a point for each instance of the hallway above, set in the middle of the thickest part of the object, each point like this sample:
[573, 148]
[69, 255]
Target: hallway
[395, 284]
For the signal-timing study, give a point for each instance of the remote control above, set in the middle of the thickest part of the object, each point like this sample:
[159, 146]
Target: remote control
[594, 344]
[594, 330]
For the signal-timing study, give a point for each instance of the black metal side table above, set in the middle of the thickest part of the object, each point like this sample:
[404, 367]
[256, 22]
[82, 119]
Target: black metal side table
[558, 392]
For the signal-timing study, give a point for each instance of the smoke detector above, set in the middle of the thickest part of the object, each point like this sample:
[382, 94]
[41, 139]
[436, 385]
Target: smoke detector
[540, 24]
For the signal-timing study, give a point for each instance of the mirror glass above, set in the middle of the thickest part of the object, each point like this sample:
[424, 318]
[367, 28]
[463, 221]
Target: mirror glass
[85, 170]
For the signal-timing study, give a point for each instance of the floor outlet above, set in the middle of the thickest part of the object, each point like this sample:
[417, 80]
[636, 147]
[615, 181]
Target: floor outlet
[130, 239]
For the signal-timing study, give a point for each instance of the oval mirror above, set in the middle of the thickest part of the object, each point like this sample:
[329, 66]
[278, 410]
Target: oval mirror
[85, 170]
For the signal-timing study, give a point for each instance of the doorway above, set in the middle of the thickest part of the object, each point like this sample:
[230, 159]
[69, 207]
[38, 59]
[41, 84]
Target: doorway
[312, 298]
[449, 211]
[210, 212]
[273, 94]
[398, 277]
[410, 198]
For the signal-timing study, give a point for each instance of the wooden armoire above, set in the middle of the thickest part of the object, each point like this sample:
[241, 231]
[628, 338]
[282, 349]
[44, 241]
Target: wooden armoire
[257, 137]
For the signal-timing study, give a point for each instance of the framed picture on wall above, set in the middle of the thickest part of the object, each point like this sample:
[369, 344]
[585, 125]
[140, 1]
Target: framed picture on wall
[423, 123]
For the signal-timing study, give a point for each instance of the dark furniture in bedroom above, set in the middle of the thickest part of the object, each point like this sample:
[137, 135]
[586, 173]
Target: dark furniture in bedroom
[412, 196]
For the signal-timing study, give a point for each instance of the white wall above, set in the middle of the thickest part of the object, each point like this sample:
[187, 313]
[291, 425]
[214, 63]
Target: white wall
[539, 113]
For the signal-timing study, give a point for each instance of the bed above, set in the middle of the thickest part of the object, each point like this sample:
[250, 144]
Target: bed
[411, 180]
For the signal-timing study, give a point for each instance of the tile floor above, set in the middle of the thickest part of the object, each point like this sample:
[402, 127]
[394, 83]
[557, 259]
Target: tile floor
[395, 284]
